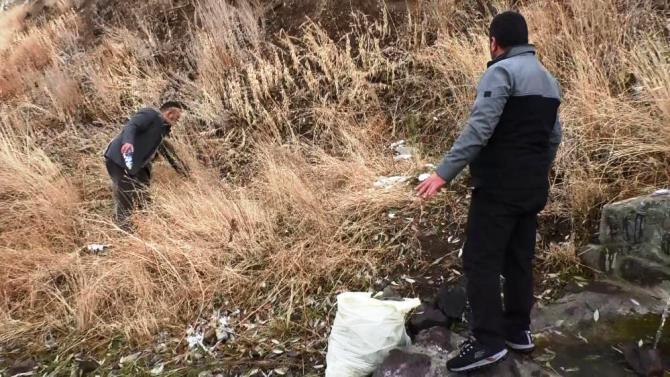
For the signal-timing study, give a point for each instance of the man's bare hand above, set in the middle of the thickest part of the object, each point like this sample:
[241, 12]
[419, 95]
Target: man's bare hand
[127, 148]
[428, 188]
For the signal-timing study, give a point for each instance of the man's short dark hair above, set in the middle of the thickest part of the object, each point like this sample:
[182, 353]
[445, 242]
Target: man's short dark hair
[171, 104]
[509, 29]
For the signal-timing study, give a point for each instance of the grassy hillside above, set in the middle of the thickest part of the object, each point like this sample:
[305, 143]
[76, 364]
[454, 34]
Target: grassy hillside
[292, 108]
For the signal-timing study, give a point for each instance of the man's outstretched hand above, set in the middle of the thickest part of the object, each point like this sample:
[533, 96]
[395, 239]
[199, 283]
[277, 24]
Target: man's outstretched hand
[428, 188]
[127, 148]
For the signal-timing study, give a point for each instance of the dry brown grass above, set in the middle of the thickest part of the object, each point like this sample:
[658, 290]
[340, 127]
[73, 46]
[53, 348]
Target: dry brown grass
[286, 136]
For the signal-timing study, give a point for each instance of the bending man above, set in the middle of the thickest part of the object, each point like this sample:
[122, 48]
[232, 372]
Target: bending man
[129, 157]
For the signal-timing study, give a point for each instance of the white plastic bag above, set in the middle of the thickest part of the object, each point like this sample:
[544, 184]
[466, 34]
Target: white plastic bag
[364, 332]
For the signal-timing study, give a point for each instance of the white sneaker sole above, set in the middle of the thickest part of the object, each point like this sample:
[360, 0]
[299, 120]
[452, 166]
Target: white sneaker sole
[520, 347]
[482, 363]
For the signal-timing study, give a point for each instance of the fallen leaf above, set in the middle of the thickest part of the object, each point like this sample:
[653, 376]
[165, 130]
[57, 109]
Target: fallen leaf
[281, 371]
[438, 260]
[582, 338]
[158, 369]
[634, 302]
[596, 315]
[130, 358]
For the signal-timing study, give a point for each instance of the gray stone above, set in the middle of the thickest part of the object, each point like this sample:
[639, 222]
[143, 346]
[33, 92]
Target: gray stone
[634, 240]
[612, 299]
[21, 367]
[644, 361]
[428, 356]
[437, 338]
[451, 300]
[401, 363]
[425, 318]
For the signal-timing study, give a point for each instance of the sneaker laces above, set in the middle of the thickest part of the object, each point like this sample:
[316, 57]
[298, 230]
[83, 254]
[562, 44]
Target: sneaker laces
[467, 346]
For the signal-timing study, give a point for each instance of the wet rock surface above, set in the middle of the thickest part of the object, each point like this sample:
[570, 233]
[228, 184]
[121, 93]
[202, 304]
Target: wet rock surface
[428, 356]
[612, 299]
[644, 361]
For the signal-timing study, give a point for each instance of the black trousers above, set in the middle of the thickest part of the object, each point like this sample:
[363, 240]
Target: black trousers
[501, 231]
[130, 192]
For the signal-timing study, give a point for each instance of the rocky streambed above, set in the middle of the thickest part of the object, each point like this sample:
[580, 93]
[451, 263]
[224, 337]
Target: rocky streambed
[610, 326]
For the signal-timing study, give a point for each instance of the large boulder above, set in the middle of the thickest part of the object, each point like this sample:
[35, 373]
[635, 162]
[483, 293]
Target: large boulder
[634, 240]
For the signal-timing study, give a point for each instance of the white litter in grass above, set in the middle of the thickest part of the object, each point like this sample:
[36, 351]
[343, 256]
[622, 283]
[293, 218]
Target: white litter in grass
[96, 248]
[194, 338]
[129, 359]
[157, 370]
[423, 177]
[223, 330]
[410, 280]
[661, 192]
[402, 151]
[640, 343]
[387, 182]
[402, 157]
[430, 166]
[634, 301]
[460, 252]
[596, 315]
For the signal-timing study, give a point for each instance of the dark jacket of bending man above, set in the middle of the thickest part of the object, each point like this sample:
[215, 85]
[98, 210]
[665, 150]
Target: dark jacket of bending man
[143, 136]
[510, 142]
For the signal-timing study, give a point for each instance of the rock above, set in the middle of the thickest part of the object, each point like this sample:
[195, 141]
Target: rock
[451, 300]
[444, 309]
[86, 365]
[635, 240]
[433, 347]
[426, 317]
[401, 363]
[644, 361]
[612, 299]
[437, 338]
[21, 366]
[643, 272]
[596, 257]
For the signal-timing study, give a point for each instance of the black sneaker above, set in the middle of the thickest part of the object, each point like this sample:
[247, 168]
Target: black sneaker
[474, 356]
[521, 342]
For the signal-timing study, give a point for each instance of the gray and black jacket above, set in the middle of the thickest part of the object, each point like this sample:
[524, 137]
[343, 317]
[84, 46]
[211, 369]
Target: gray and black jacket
[513, 132]
[146, 131]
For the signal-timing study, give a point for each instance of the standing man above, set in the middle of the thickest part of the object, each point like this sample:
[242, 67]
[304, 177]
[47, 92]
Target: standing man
[129, 157]
[510, 142]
